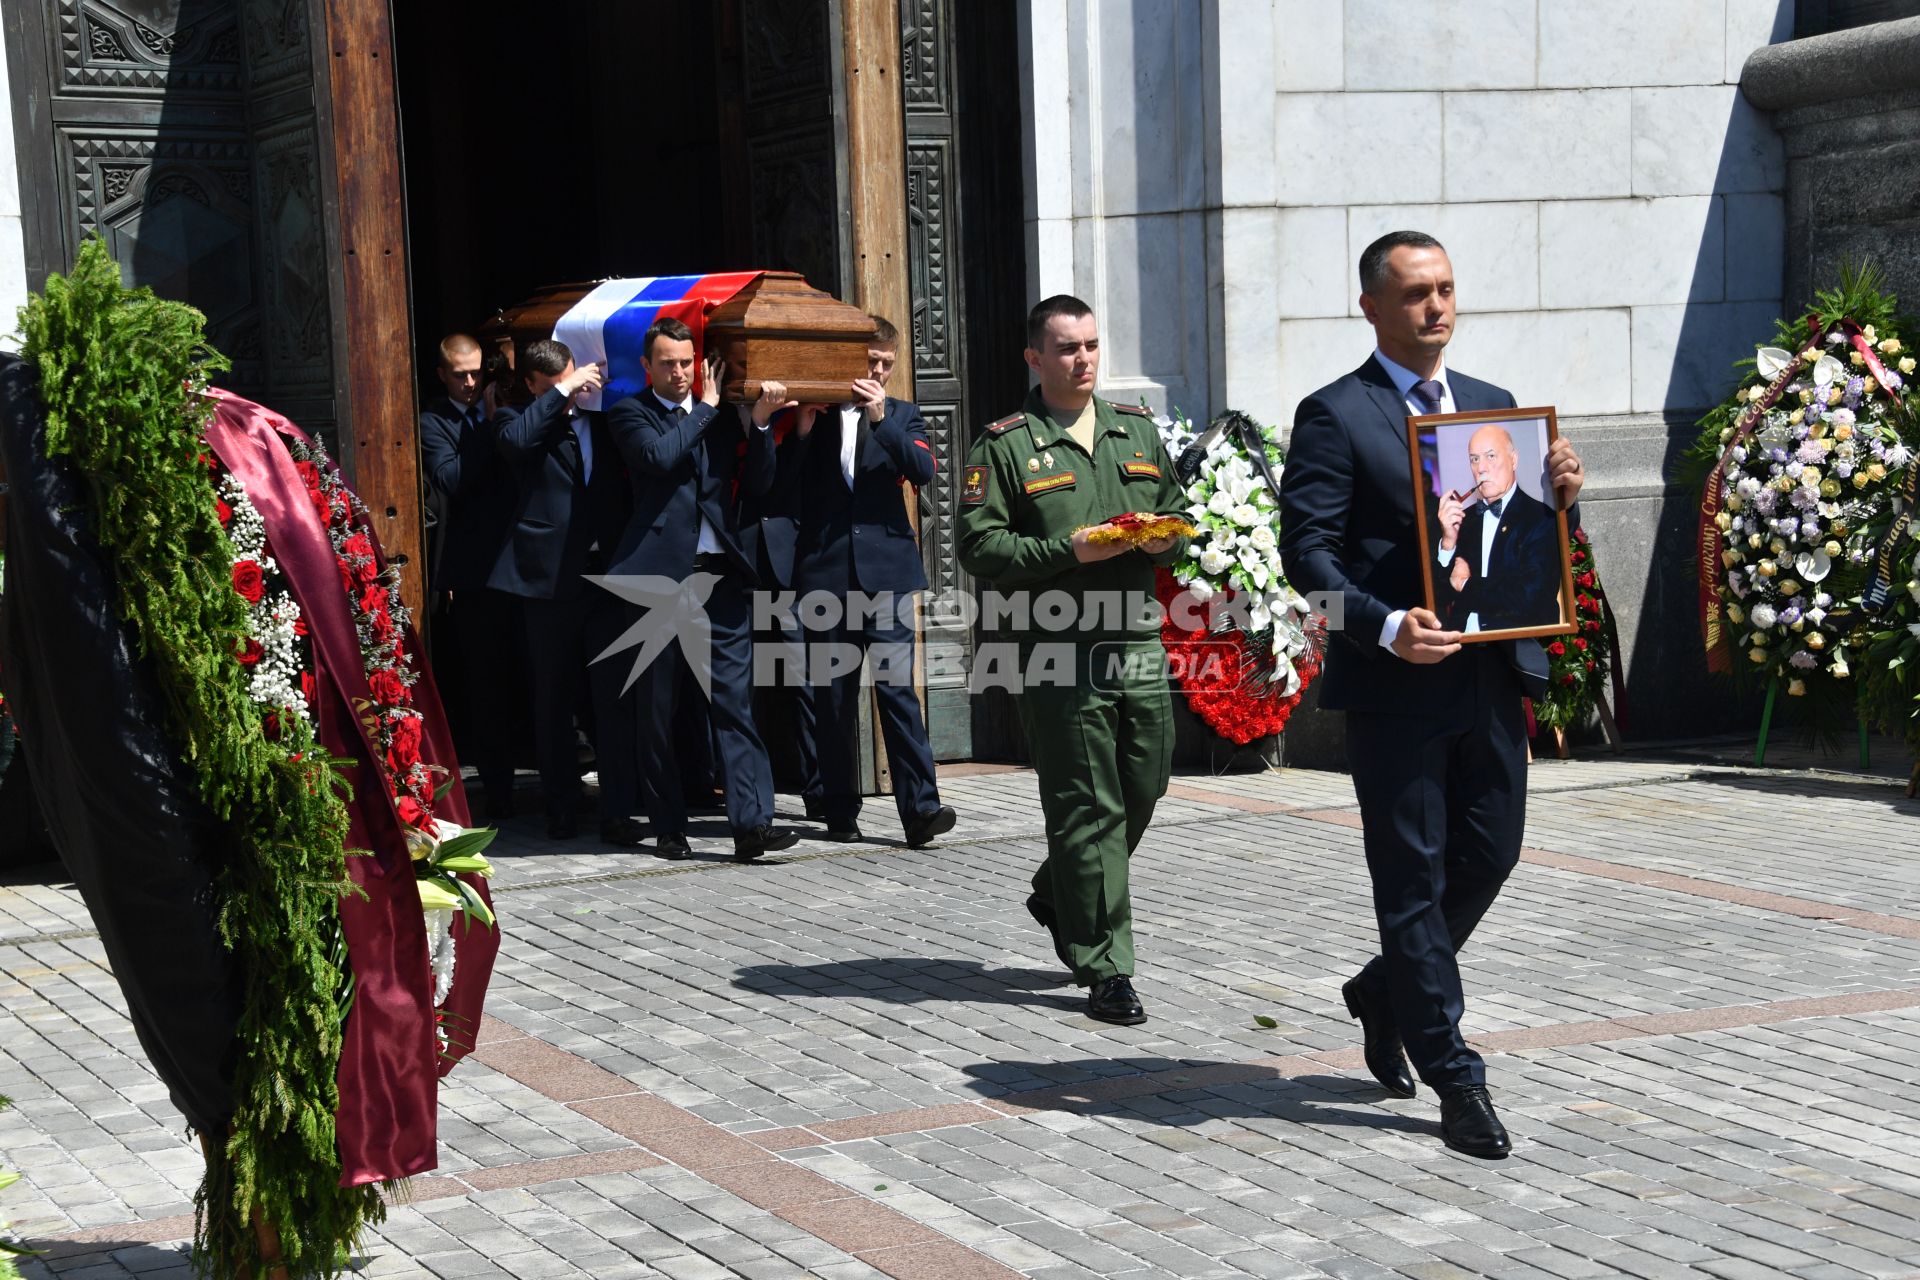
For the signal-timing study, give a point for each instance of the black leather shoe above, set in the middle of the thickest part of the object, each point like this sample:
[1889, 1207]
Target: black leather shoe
[562, 826]
[624, 832]
[1468, 1124]
[765, 838]
[1112, 1000]
[925, 826]
[844, 832]
[1385, 1058]
[673, 847]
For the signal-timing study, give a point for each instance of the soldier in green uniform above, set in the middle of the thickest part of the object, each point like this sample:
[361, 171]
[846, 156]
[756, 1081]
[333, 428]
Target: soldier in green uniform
[1081, 634]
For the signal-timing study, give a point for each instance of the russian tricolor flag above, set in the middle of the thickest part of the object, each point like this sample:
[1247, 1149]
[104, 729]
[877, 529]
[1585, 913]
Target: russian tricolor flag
[611, 321]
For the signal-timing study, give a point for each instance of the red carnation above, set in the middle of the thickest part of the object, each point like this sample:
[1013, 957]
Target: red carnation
[1569, 678]
[388, 688]
[358, 545]
[272, 726]
[310, 475]
[1580, 535]
[249, 580]
[1579, 644]
[251, 653]
[373, 600]
[412, 812]
[300, 626]
[1593, 624]
[1589, 664]
[1585, 579]
[1557, 649]
[308, 686]
[223, 511]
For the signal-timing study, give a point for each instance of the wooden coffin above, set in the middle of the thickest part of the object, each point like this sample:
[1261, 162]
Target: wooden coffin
[782, 329]
[779, 328]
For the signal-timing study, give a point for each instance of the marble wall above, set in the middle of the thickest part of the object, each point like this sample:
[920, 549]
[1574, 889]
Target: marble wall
[13, 249]
[1206, 172]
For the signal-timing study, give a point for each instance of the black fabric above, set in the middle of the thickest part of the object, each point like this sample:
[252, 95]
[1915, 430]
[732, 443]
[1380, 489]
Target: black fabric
[118, 801]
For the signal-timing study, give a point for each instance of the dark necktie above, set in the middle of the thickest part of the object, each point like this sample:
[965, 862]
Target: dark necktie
[1428, 393]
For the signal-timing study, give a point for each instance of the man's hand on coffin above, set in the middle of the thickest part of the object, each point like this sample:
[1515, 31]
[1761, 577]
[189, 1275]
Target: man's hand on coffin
[584, 378]
[715, 374]
[872, 397]
[773, 398]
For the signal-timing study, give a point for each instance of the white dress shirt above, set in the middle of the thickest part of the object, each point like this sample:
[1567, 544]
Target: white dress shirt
[1489, 525]
[1403, 380]
[709, 543]
[849, 439]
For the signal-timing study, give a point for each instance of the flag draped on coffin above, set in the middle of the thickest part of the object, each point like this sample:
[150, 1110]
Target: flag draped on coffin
[611, 322]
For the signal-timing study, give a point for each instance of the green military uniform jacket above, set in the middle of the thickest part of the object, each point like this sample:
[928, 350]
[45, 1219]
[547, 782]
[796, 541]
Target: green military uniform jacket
[1028, 487]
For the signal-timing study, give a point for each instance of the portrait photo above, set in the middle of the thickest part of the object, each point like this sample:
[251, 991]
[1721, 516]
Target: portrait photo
[1495, 559]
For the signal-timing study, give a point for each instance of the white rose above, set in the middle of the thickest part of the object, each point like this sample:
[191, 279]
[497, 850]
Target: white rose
[1263, 537]
[1246, 515]
[1764, 616]
[1214, 561]
[1220, 503]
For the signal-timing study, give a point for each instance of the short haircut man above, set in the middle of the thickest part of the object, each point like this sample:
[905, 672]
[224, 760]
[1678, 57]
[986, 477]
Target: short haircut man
[1063, 305]
[665, 327]
[884, 334]
[1373, 258]
[455, 345]
[544, 356]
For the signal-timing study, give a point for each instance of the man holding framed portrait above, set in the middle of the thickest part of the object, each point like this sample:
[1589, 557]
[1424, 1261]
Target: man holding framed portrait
[1443, 584]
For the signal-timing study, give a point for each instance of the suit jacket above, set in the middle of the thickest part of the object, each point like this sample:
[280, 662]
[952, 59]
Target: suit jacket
[859, 537]
[1347, 528]
[1521, 587]
[683, 470]
[560, 515]
[474, 490]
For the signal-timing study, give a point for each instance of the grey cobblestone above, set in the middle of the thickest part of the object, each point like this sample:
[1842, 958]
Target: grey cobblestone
[841, 982]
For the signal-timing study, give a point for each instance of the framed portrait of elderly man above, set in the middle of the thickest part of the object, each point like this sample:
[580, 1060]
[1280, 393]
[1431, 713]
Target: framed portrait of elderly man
[1495, 561]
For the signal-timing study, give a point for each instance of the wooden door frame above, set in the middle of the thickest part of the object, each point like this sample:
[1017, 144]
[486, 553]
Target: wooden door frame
[359, 113]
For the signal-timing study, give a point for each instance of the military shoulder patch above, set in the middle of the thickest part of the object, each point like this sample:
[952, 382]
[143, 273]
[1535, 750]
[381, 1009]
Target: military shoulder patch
[1006, 424]
[1138, 410]
[1141, 468]
[973, 490]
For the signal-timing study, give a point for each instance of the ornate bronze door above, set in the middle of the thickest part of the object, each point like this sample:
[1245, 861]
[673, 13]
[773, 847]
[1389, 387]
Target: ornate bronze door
[184, 132]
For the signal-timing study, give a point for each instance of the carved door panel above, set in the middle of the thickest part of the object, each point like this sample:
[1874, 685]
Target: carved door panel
[792, 112]
[183, 131]
[939, 360]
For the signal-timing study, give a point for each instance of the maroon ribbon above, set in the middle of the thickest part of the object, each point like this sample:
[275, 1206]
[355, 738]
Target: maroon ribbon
[390, 1059]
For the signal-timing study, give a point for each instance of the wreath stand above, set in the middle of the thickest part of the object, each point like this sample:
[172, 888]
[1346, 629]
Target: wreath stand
[1608, 729]
[1766, 724]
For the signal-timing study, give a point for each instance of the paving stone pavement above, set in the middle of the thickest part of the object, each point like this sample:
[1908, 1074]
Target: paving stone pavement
[1700, 996]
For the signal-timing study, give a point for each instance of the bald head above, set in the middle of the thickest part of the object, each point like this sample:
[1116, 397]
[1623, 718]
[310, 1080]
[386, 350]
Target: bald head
[1494, 461]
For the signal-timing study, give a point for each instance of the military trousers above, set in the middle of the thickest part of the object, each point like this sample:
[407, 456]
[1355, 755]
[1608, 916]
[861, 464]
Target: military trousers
[1101, 742]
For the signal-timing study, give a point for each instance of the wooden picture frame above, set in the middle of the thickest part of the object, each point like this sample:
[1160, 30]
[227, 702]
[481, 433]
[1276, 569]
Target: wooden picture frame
[1489, 605]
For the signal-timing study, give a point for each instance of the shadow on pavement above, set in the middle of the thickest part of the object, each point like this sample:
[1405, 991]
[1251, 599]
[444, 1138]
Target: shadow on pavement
[912, 980]
[1889, 791]
[99, 1257]
[1158, 1090]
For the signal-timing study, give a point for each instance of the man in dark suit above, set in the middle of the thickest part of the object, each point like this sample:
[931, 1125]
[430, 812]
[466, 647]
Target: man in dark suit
[856, 544]
[1506, 572]
[691, 463]
[1434, 731]
[570, 508]
[474, 493]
